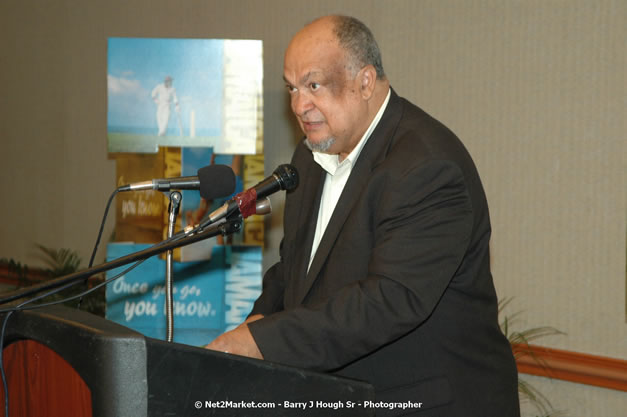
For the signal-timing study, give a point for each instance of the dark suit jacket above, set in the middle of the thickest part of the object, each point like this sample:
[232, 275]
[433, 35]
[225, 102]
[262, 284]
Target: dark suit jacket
[399, 293]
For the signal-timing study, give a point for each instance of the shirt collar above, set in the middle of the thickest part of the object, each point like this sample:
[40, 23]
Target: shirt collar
[330, 163]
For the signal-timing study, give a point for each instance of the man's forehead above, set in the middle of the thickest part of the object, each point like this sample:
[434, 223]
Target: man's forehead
[301, 64]
[302, 78]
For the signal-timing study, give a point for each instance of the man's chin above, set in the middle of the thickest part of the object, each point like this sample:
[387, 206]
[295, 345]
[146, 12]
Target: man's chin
[321, 146]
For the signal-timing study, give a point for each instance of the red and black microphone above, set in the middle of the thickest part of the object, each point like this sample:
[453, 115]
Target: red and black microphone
[285, 177]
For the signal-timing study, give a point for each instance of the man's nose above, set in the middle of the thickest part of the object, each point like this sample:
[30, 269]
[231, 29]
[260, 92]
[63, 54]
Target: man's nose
[301, 104]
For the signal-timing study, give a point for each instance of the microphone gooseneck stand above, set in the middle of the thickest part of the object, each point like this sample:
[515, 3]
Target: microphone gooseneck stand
[173, 210]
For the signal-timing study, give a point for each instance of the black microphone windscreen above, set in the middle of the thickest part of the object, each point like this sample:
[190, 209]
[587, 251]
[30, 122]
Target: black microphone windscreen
[288, 176]
[216, 181]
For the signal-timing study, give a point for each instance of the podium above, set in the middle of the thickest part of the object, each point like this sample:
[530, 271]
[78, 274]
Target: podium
[66, 362]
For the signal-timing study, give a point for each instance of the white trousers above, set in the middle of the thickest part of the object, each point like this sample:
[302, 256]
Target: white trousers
[163, 117]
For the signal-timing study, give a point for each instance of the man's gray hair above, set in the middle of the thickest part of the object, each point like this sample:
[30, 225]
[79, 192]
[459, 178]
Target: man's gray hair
[355, 37]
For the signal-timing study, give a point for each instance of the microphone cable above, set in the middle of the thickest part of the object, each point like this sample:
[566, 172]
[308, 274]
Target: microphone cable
[102, 224]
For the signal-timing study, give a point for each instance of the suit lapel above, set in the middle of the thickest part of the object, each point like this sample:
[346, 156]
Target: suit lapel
[312, 181]
[371, 155]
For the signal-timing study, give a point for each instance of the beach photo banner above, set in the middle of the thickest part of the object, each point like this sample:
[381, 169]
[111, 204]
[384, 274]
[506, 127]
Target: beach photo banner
[184, 92]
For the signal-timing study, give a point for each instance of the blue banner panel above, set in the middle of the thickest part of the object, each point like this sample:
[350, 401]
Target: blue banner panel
[210, 296]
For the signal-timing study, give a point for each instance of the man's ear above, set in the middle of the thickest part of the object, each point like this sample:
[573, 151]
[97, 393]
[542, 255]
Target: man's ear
[367, 81]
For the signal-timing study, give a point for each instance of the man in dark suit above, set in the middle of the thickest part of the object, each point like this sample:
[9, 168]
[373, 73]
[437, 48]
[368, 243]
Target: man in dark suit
[385, 271]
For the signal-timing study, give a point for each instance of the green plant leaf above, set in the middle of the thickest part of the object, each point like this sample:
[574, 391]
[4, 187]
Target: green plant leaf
[60, 261]
[521, 339]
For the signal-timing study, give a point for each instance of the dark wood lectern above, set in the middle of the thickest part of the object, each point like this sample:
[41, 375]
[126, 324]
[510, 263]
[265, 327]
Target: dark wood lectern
[65, 362]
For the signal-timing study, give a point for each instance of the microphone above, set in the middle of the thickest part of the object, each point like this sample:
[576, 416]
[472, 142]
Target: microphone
[262, 207]
[285, 177]
[213, 181]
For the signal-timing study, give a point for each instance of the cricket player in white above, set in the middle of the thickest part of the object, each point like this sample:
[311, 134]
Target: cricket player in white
[164, 95]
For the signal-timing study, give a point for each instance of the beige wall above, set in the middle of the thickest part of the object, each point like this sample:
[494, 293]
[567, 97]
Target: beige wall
[536, 90]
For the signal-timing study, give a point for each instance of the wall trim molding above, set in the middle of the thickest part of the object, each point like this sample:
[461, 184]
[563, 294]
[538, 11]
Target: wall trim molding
[28, 276]
[570, 366]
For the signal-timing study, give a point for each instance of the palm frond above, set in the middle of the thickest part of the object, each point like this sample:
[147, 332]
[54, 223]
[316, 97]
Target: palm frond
[60, 261]
[534, 396]
[521, 339]
[528, 335]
